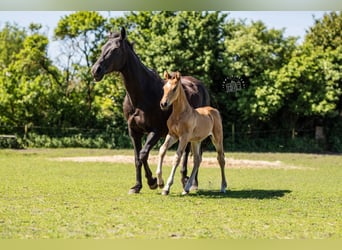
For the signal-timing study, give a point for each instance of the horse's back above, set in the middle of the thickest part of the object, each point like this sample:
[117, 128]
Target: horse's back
[195, 91]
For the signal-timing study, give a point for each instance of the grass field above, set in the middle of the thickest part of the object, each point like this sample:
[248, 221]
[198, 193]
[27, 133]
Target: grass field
[41, 197]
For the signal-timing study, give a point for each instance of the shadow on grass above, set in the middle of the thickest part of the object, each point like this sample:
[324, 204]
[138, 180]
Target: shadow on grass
[259, 194]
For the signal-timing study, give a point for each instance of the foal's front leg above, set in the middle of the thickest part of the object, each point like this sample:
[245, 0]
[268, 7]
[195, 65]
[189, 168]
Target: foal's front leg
[169, 141]
[176, 160]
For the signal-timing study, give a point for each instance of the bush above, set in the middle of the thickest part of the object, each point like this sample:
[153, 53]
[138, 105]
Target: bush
[77, 140]
[11, 142]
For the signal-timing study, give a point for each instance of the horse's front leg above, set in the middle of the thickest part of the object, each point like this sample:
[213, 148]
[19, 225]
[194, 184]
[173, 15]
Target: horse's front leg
[169, 141]
[184, 167]
[151, 140]
[176, 161]
[136, 141]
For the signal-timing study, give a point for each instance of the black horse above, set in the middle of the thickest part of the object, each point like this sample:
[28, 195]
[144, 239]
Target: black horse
[144, 90]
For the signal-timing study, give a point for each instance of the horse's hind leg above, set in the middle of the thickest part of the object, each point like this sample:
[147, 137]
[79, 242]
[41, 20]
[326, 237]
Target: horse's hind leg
[184, 169]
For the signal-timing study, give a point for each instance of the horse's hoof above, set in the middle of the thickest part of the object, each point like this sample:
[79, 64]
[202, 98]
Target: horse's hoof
[165, 192]
[161, 185]
[154, 184]
[134, 190]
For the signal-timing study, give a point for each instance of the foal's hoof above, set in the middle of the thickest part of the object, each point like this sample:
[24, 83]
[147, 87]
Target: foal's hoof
[161, 185]
[185, 192]
[153, 184]
[165, 192]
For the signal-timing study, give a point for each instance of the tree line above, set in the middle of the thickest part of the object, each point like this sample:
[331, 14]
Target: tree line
[273, 93]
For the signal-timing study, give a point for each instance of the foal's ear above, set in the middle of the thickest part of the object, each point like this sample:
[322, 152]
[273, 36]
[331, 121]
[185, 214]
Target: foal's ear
[123, 33]
[166, 75]
[178, 75]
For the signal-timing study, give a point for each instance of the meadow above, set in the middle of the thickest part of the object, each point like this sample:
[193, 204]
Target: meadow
[297, 197]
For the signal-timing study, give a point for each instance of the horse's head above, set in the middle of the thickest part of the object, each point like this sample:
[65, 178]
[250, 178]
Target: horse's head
[171, 88]
[113, 56]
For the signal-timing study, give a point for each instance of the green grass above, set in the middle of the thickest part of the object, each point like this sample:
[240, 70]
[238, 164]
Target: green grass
[43, 198]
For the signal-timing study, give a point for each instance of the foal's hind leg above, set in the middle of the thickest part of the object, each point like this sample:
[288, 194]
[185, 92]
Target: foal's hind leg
[184, 170]
[218, 143]
[196, 148]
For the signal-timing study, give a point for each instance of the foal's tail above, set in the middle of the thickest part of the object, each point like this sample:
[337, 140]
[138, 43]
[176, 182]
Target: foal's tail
[217, 127]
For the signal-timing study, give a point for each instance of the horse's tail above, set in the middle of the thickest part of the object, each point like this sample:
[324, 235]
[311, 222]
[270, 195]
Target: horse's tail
[204, 94]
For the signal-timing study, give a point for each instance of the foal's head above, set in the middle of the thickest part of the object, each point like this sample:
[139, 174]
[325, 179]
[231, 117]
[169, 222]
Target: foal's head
[171, 89]
[113, 55]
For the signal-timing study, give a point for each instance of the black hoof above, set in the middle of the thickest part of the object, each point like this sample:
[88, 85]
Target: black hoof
[134, 190]
[161, 185]
[153, 184]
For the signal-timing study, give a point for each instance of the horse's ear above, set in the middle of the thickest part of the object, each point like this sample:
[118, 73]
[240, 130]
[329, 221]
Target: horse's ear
[123, 33]
[166, 75]
[178, 75]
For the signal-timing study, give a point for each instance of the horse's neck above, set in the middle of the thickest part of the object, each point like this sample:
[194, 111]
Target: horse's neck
[181, 104]
[135, 75]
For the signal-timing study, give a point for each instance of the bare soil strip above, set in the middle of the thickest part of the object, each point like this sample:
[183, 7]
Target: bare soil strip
[206, 162]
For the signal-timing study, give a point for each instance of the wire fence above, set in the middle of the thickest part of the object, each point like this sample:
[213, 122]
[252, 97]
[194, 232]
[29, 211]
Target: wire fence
[266, 140]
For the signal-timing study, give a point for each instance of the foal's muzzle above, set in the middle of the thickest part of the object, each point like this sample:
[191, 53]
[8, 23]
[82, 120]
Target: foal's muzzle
[164, 105]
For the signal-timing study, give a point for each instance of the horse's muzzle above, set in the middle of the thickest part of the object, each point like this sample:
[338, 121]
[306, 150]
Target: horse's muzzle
[97, 72]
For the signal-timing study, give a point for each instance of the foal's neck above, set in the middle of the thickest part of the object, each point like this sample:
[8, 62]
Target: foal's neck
[181, 104]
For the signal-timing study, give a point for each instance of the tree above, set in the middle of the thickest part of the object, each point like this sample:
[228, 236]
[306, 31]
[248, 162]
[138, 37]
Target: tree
[312, 80]
[255, 54]
[11, 40]
[82, 32]
[29, 86]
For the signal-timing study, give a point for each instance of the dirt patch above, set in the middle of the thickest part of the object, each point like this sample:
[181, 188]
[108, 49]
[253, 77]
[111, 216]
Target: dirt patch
[206, 161]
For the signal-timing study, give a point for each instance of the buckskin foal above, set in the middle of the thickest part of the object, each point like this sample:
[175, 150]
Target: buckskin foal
[187, 124]
[144, 89]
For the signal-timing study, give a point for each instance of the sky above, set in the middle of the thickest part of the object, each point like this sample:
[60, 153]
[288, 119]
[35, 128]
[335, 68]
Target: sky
[295, 23]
